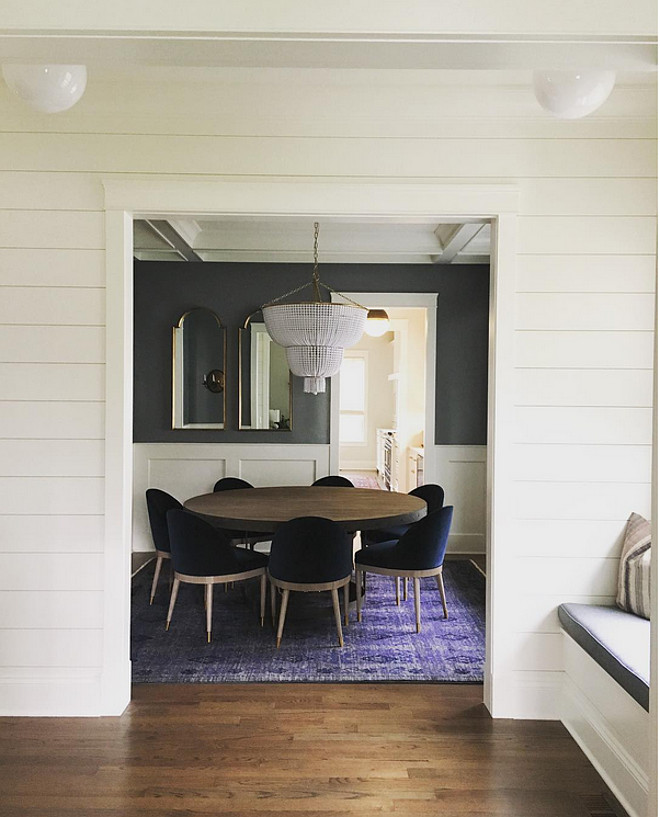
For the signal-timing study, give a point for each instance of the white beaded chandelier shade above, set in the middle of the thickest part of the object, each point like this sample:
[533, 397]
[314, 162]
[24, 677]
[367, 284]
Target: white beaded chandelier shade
[314, 333]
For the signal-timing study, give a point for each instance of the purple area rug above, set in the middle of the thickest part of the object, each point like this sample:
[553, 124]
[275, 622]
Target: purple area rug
[383, 647]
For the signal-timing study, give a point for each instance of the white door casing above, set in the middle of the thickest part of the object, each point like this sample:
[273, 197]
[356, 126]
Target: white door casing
[159, 197]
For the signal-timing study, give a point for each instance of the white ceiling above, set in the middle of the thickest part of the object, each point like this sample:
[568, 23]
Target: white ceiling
[292, 241]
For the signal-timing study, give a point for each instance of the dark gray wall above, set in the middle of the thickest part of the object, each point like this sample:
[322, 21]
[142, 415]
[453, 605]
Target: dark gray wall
[164, 291]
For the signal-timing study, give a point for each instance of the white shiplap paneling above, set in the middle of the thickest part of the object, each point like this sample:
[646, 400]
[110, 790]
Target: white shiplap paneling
[585, 282]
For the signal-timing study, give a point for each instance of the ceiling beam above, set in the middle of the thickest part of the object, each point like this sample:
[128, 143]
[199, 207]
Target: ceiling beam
[165, 230]
[458, 241]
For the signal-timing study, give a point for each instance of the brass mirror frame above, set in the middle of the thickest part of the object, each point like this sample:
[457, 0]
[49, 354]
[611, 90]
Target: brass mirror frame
[207, 427]
[241, 427]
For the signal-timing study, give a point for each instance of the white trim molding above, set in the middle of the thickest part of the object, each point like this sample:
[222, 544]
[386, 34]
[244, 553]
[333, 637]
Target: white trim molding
[282, 198]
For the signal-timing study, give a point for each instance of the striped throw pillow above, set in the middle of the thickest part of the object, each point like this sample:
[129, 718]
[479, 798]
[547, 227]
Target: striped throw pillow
[634, 592]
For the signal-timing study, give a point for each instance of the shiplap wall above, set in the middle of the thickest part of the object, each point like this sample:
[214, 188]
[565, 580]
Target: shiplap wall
[583, 339]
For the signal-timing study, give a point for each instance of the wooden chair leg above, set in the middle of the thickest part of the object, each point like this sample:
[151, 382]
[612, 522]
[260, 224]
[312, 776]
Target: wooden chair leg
[441, 588]
[346, 595]
[358, 593]
[398, 590]
[280, 626]
[273, 602]
[209, 611]
[263, 598]
[418, 621]
[405, 588]
[154, 583]
[173, 595]
[335, 605]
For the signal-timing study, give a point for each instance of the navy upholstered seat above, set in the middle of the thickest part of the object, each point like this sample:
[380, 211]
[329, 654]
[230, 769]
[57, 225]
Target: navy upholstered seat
[158, 504]
[618, 641]
[433, 495]
[420, 552]
[310, 554]
[333, 481]
[203, 554]
[244, 537]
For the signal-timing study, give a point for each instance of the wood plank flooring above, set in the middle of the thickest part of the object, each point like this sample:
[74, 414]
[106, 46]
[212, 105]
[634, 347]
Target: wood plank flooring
[296, 749]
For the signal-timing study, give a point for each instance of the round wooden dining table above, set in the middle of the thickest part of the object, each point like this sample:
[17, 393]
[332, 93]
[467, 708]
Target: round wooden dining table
[264, 509]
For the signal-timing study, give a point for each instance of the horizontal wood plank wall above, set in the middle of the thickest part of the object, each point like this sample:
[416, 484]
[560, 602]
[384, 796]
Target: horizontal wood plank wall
[583, 334]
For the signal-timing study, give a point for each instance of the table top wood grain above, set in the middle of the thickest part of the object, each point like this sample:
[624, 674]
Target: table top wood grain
[263, 509]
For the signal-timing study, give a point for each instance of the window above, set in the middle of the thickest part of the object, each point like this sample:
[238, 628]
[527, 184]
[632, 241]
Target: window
[353, 399]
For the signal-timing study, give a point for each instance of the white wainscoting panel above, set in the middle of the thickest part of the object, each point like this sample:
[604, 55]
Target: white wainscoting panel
[189, 469]
[461, 470]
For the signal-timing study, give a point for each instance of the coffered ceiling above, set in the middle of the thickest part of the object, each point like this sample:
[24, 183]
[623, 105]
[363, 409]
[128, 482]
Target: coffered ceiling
[291, 241]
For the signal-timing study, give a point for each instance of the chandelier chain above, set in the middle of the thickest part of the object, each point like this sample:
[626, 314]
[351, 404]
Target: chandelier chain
[316, 280]
[315, 270]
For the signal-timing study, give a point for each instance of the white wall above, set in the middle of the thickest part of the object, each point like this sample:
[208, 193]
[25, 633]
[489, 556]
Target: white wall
[583, 318]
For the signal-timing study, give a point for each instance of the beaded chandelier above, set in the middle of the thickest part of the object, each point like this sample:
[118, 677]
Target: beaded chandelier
[314, 333]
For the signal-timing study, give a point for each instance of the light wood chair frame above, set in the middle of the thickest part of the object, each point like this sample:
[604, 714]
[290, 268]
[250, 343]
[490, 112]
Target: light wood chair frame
[397, 572]
[209, 582]
[314, 587]
[161, 555]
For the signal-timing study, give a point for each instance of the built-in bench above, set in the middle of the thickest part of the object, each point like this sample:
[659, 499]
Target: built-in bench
[605, 697]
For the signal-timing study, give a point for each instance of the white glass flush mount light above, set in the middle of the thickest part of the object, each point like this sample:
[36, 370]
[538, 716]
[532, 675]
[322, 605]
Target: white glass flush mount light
[572, 94]
[314, 333]
[47, 88]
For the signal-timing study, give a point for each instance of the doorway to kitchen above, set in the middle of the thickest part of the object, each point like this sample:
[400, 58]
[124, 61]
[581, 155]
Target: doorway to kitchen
[380, 396]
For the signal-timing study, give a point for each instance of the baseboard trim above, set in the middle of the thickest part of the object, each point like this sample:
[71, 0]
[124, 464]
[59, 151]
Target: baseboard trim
[54, 692]
[526, 695]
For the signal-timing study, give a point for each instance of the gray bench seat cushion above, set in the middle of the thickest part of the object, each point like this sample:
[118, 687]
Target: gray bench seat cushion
[620, 642]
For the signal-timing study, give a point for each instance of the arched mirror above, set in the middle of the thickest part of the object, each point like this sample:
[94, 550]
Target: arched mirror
[265, 399]
[199, 346]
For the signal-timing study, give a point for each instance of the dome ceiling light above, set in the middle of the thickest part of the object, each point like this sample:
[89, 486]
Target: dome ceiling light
[378, 322]
[47, 88]
[314, 333]
[572, 94]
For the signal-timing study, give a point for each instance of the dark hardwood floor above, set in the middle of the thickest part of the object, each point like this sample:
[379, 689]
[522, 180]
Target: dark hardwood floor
[303, 749]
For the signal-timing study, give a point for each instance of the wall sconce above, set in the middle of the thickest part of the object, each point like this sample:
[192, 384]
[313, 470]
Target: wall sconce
[572, 94]
[47, 88]
[214, 381]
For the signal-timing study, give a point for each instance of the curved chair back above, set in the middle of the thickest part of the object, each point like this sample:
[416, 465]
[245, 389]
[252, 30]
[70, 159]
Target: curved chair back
[432, 494]
[333, 481]
[231, 484]
[423, 545]
[158, 504]
[199, 549]
[310, 550]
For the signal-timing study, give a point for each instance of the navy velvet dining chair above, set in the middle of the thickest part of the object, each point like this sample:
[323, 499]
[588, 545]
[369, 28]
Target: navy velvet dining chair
[333, 481]
[241, 537]
[419, 553]
[202, 554]
[158, 504]
[432, 494]
[310, 554]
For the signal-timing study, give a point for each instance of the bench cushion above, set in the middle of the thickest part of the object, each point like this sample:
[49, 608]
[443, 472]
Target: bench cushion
[619, 642]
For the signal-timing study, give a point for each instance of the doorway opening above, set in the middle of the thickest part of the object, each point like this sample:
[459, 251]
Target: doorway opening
[124, 200]
[381, 405]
